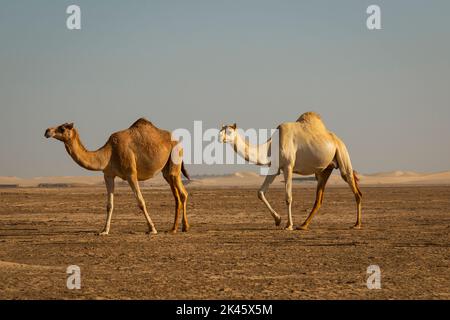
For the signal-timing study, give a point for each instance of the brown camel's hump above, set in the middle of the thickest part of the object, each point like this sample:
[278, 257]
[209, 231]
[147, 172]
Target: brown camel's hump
[143, 127]
[144, 124]
[141, 122]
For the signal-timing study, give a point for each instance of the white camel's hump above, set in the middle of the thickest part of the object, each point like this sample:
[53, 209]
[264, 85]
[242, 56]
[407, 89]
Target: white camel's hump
[312, 120]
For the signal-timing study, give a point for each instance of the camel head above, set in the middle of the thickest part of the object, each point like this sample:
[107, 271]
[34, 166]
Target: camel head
[62, 133]
[228, 133]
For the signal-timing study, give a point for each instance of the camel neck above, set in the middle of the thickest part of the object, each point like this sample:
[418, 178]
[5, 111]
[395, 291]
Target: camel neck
[90, 160]
[257, 154]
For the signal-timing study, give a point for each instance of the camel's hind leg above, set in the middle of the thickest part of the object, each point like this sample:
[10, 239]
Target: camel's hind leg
[352, 181]
[177, 203]
[261, 195]
[322, 179]
[133, 182]
[183, 198]
[172, 174]
[288, 185]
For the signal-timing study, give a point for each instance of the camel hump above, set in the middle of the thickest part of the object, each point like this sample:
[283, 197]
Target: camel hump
[309, 117]
[311, 120]
[141, 121]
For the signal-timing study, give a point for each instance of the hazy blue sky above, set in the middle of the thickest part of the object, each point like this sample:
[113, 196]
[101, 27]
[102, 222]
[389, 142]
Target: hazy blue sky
[259, 63]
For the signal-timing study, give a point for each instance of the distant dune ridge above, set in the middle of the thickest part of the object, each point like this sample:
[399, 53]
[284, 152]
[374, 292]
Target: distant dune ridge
[245, 179]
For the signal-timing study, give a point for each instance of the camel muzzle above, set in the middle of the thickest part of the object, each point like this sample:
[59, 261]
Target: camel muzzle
[48, 133]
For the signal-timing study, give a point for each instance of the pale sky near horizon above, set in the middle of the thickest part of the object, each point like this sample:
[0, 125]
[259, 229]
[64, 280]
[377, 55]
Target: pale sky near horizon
[386, 93]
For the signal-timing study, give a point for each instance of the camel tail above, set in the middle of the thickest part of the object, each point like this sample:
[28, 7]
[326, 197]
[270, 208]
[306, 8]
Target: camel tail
[183, 170]
[345, 166]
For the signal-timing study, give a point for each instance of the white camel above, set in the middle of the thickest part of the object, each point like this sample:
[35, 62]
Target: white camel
[305, 147]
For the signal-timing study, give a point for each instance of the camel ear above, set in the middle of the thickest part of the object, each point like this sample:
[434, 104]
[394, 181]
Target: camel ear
[69, 125]
[234, 125]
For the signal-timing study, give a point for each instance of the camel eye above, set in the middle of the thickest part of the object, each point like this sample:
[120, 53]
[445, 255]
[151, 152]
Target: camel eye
[60, 129]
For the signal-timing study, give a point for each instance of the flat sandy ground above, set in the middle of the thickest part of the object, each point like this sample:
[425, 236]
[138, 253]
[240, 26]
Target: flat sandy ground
[233, 250]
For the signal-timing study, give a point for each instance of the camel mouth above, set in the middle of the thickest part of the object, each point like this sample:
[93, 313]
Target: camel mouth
[48, 134]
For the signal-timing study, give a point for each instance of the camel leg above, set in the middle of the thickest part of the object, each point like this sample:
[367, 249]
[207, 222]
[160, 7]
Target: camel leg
[172, 174]
[288, 185]
[183, 198]
[358, 211]
[109, 182]
[177, 203]
[133, 182]
[322, 179]
[261, 195]
[350, 179]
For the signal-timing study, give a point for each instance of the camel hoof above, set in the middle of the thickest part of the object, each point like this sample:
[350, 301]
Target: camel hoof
[150, 232]
[103, 233]
[289, 228]
[357, 226]
[173, 231]
[302, 227]
[186, 228]
[277, 221]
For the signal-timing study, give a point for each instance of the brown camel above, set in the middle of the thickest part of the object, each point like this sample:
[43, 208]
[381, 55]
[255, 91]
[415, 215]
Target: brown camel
[135, 154]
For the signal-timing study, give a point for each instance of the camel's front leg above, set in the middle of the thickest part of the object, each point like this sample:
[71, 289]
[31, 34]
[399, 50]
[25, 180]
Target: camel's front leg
[262, 197]
[133, 182]
[109, 182]
[288, 184]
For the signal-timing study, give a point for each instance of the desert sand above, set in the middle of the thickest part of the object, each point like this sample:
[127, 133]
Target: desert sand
[234, 250]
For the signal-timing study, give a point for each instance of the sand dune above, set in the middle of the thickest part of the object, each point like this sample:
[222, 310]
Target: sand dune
[395, 174]
[411, 178]
[390, 178]
[238, 179]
